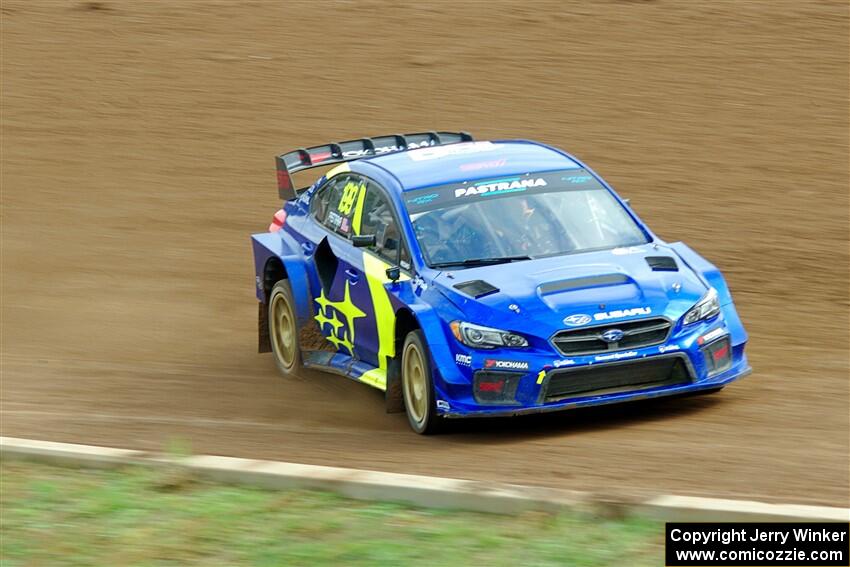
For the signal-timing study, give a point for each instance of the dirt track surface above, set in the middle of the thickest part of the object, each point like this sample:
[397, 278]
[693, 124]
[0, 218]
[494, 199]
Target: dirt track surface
[137, 157]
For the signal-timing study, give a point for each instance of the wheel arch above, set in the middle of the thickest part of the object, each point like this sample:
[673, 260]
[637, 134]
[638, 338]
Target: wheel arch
[273, 272]
[274, 261]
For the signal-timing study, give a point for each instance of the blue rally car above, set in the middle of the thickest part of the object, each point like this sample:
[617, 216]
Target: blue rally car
[482, 278]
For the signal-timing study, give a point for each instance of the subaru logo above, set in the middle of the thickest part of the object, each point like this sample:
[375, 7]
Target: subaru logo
[577, 320]
[612, 335]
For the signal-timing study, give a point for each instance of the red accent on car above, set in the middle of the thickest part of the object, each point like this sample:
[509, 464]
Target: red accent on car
[320, 157]
[721, 353]
[489, 363]
[278, 221]
[496, 386]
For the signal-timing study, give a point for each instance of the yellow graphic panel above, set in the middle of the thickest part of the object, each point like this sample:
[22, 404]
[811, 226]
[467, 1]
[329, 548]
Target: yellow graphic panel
[349, 196]
[341, 334]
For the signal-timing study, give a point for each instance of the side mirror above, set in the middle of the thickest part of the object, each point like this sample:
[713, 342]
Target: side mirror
[363, 240]
[393, 273]
[628, 202]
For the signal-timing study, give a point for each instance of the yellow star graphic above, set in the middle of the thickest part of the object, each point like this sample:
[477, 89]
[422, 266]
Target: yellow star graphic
[323, 301]
[334, 322]
[337, 342]
[343, 342]
[349, 310]
[321, 319]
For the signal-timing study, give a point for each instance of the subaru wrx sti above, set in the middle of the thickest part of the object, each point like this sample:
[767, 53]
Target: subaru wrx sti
[484, 278]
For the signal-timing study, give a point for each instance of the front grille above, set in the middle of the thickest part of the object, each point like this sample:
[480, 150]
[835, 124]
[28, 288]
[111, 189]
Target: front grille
[616, 377]
[636, 334]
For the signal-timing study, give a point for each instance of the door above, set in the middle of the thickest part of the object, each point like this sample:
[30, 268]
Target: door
[374, 215]
[338, 313]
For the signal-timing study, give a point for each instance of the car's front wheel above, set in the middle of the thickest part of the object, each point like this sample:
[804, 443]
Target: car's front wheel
[417, 385]
[283, 329]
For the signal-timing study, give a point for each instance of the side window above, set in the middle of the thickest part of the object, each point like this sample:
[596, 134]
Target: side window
[319, 204]
[335, 204]
[377, 218]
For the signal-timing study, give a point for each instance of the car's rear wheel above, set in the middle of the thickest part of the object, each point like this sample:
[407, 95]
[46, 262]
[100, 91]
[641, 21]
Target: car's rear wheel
[283, 329]
[417, 385]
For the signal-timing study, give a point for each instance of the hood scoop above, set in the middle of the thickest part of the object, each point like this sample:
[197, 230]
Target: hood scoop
[581, 283]
[476, 288]
[662, 264]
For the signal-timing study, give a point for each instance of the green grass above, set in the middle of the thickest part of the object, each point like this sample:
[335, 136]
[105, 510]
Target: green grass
[64, 516]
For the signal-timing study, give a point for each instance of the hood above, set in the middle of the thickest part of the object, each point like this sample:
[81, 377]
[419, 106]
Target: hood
[536, 296]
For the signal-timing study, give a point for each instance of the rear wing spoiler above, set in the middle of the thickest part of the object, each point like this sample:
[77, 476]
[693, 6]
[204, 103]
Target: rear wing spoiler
[329, 154]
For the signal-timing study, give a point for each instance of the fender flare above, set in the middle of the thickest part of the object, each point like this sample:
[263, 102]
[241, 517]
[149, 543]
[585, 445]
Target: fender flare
[426, 319]
[435, 331]
[271, 248]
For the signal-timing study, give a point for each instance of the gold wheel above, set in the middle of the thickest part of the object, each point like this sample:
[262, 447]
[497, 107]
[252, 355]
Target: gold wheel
[284, 336]
[415, 383]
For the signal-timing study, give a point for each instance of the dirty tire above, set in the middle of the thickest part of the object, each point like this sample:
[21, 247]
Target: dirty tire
[283, 329]
[418, 386]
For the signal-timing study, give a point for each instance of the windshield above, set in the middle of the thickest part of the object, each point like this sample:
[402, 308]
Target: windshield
[517, 218]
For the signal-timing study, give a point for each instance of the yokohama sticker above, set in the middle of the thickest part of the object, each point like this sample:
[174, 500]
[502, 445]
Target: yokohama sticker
[506, 364]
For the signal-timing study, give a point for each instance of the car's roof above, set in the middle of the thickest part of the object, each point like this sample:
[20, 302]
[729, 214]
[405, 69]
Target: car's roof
[441, 165]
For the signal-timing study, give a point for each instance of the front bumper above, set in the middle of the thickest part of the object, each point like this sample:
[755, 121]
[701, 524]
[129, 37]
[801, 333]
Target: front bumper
[530, 392]
[718, 381]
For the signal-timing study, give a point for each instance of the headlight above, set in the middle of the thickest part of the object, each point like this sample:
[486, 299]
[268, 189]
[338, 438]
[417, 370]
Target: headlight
[706, 308]
[477, 336]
